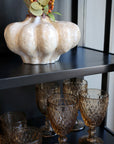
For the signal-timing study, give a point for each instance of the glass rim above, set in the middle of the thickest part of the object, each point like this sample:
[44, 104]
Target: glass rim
[4, 139]
[71, 81]
[95, 89]
[12, 113]
[30, 128]
[72, 95]
[46, 83]
[33, 142]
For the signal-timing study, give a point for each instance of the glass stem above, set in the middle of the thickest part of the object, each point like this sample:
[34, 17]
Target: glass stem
[62, 139]
[76, 122]
[47, 124]
[92, 134]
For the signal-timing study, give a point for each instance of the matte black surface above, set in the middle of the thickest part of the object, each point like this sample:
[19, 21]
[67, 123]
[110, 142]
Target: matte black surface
[10, 11]
[104, 84]
[107, 25]
[77, 62]
[107, 38]
[19, 99]
[75, 11]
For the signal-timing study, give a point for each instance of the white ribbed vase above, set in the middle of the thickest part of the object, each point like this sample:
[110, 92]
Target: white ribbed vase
[38, 40]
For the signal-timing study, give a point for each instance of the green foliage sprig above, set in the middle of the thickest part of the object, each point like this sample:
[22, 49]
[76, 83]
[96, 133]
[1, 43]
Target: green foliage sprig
[41, 8]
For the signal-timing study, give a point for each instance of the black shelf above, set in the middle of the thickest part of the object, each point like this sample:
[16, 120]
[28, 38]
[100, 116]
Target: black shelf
[73, 137]
[78, 62]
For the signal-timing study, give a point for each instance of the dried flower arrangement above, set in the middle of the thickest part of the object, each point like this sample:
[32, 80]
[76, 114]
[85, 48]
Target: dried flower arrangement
[40, 39]
[41, 8]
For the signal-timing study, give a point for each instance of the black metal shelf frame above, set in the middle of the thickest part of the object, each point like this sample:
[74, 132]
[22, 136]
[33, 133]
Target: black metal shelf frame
[78, 62]
[108, 12]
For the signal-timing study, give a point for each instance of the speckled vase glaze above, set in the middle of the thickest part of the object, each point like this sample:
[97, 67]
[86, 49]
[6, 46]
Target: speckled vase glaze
[39, 40]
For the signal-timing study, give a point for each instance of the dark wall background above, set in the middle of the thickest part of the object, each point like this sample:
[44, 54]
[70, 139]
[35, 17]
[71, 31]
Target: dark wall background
[22, 98]
[19, 99]
[10, 11]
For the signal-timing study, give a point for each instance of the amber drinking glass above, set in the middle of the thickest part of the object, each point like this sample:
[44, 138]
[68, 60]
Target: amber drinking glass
[93, 107]
[10, 120]
[4, 140]
[28, 135]
[62, 112]
[76, 86]
[42, 92]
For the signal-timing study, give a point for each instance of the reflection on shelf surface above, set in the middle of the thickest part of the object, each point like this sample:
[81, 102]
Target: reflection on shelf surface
[79, 61]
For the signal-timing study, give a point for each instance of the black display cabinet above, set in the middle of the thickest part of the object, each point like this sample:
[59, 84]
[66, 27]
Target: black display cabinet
[17, 80]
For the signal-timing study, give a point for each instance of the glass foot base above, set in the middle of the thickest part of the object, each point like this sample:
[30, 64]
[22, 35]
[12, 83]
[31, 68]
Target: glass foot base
[3, 140]
[46, 132]
[86, 140]
[62, 143]
[78, 126]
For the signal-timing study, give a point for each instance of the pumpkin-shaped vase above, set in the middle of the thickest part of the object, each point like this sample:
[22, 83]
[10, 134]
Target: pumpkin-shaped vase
[39, 40]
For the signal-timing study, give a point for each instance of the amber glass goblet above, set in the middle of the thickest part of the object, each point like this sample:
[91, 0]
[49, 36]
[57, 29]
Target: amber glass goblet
[93, 107]
[62, 112]
[11, 119]
[76, 86]
[4, 140]
[42, 92]
[27, 135]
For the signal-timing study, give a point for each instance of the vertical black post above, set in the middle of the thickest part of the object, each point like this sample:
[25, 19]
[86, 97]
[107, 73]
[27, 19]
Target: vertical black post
[107, 38]
[75, 11]
[107, 25]
[107, 41]
[74, 14]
